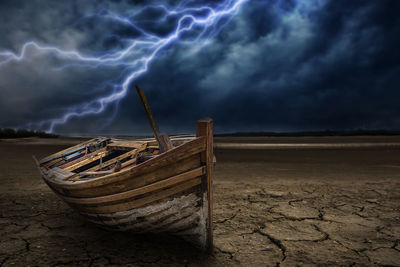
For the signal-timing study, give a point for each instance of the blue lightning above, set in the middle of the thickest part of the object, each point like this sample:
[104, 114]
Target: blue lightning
[200, 23]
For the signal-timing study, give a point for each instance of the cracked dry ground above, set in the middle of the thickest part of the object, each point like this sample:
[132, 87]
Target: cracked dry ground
[272, 207]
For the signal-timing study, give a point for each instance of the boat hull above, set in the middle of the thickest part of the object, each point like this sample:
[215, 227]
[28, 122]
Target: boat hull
[170, 193]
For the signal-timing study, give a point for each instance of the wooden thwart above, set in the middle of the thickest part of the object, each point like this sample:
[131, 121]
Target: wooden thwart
[87, 156]
[123, 145]
[133, 152]
[88, 160]
[101, 173]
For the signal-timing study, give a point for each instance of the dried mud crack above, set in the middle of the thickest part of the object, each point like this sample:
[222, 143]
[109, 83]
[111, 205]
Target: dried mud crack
[271, 208]
[277, 243]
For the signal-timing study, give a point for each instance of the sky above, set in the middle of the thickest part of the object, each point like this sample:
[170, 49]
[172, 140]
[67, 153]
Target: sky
[268, 65]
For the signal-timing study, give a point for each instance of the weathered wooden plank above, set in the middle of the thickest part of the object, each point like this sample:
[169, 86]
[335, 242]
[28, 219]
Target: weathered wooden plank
[101, 173]
[150, 212]
[205, 128]
[87, 156]
[85, 173]
[153, 144]
[58, 173]
[73, 155]
[127, 163]
[139, 191]
[52, 156]
[141, 201]
[52, 163]
[88, 160]
[126, 145]
[179, 216]
[119, 158]
[150, 221]
[180, 222]
[174, 137]
[74, 149]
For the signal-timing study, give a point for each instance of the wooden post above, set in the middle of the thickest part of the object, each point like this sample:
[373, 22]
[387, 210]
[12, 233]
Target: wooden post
[205, 128]
[163, 140]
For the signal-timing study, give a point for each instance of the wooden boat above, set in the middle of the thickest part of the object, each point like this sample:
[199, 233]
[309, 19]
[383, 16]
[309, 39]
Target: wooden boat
[140, 185]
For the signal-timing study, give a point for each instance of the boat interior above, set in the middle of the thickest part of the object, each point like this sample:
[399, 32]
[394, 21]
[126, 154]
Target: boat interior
[102, 156]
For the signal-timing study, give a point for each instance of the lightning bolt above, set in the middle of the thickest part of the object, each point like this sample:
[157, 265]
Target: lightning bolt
[194, 26]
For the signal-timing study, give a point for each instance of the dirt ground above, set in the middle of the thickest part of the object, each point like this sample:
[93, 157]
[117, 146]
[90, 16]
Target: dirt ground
[278, 206]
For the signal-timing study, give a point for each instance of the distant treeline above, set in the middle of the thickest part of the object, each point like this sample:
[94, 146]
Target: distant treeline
[11, 133]
[316, 133]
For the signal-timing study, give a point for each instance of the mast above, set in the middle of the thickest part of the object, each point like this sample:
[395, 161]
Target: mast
[162, 139]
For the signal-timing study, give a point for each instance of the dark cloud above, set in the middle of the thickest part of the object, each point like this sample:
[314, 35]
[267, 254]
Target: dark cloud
[280, 65]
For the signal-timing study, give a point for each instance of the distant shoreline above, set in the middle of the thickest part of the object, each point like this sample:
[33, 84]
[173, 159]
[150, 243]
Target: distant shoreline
[313, 133]
[8, 133]
[286, 146]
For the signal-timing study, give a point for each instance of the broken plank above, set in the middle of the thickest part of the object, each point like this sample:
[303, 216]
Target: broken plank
[121, 157]
[125, 145]
[87, 156]
[74, 149]
[88, 160]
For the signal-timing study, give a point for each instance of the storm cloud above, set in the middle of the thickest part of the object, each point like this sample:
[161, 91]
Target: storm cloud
[280, 65]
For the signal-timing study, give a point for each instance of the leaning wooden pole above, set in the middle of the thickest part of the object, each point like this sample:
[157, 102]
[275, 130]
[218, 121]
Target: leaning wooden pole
[205, 128]
[162, 139]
